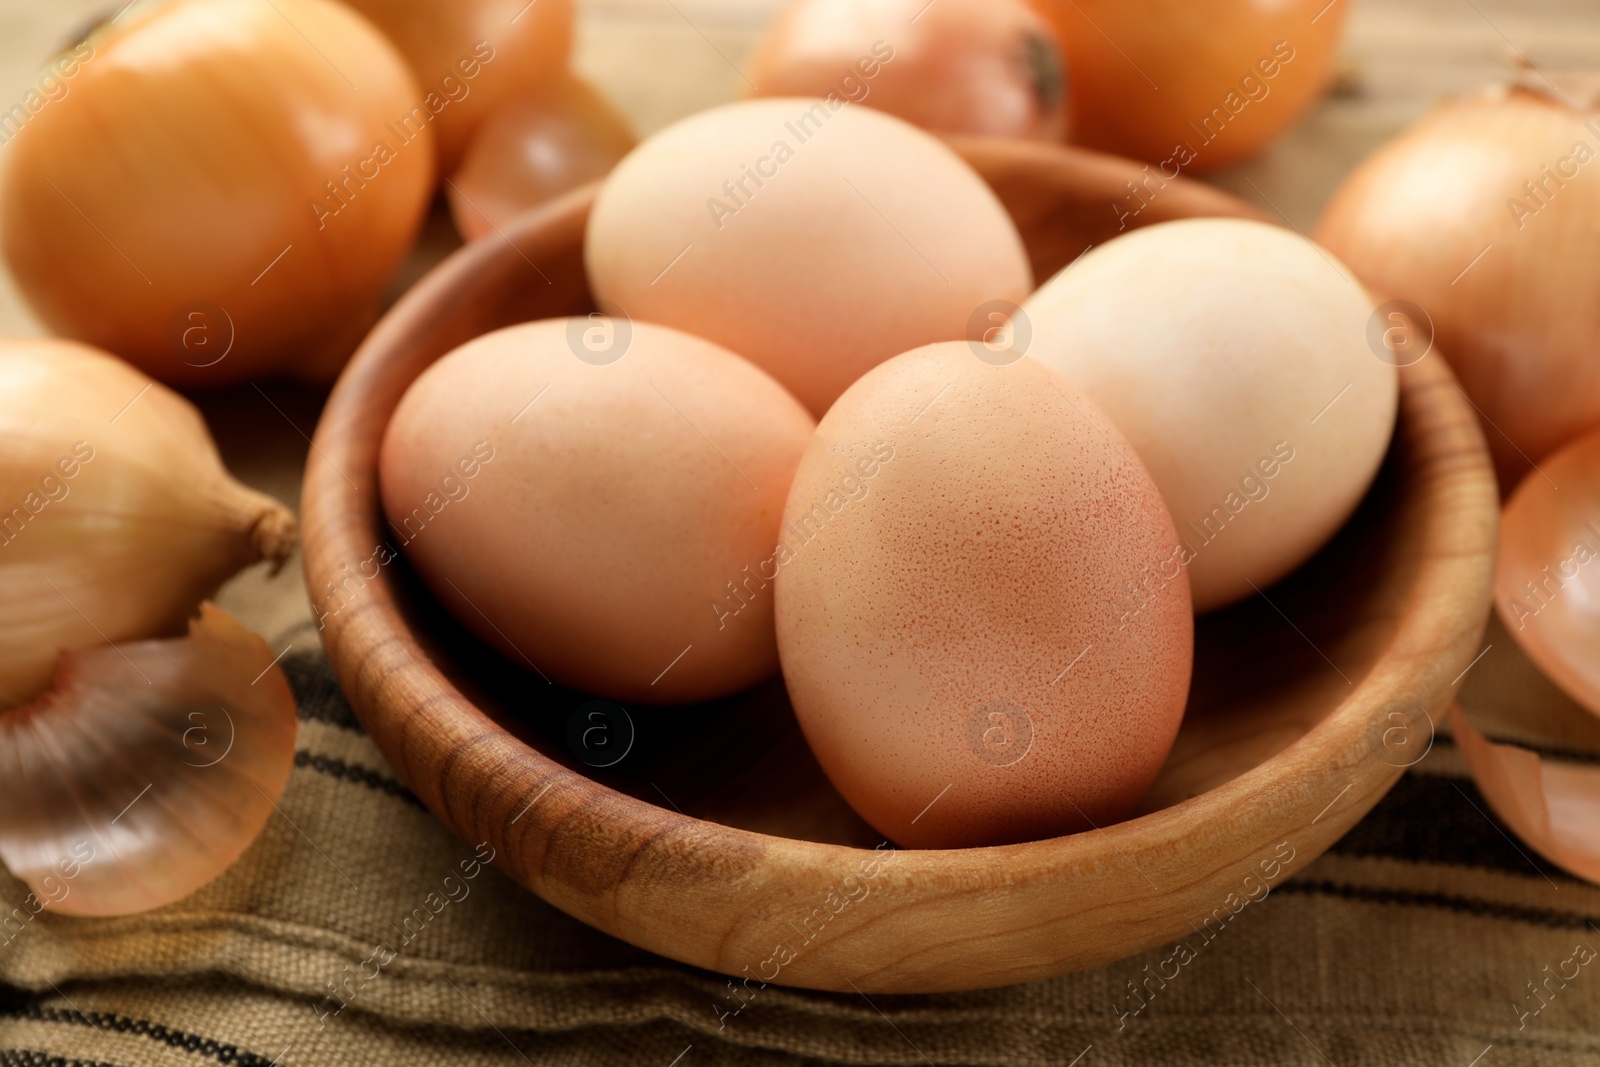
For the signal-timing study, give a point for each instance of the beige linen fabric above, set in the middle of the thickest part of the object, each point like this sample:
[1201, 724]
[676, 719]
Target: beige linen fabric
[1414, 940]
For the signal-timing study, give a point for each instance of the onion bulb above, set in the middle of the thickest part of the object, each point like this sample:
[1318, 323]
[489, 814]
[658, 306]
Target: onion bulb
[1189, 86]
[116, 515]
[225, 191]
[147, 771]
[1486, 215]
[985, 67]
[533, 149]
[1547, 574]
[473, 56]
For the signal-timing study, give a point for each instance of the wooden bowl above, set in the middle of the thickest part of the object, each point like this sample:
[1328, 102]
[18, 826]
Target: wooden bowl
[718, 842]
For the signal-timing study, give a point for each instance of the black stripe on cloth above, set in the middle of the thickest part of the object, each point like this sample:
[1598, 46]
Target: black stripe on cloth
[221, 1052]
[316, 691]
[27, 1057]
[354, 773]
[1488, 909]
[1430, 819]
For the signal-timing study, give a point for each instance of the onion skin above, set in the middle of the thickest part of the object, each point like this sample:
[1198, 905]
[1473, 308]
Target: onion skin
[1520, 325]
[1173, 61]
[147, 770]
[983, 67]
[1551, 804]
[130, 533]
[534, 149]
[1545, 572]
[183, 167]
[530, 45]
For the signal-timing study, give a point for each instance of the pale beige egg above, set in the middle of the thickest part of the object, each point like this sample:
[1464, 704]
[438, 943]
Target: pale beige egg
[984, 629]
[1241, 361]
[596, 498]
[817, 238]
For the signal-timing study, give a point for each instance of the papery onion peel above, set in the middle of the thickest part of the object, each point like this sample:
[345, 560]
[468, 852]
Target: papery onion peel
[148, 769]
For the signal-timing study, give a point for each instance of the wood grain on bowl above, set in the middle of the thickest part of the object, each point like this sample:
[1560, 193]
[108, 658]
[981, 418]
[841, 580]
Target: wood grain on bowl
[1306, 706]
[1065, 202]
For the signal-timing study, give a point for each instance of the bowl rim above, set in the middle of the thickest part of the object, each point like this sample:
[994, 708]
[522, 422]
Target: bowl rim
[692, 890]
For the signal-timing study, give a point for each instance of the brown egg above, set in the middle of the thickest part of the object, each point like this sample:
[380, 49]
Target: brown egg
[814, 237]
[984, 629]
[594, 499]
[986, 67]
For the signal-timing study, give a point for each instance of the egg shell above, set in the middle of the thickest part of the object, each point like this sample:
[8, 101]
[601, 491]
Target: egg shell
[814, 237]
[1235, 356]
[596, 517]
[982, 629]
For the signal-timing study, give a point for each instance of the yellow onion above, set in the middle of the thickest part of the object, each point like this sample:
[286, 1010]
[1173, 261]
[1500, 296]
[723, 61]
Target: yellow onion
[533, 149]
[1189, 86]
[147, 770]
[987, 67]
[473, 56]
[116, 515]
[1486, 214]
[223, 192]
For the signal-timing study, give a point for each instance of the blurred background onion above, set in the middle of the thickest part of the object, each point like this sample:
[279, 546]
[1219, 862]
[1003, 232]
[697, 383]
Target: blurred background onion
[513, 45]
[989, 67]
[533, 149]
[1147, 76]
[210, 202]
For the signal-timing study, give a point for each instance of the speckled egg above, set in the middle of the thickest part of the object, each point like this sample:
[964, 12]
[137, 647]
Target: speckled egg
[984, 629]
[815, 237]
[1247, 367]
[594, 498]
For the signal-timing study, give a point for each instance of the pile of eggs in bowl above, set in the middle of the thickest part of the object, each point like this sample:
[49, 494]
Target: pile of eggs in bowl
[825, 423]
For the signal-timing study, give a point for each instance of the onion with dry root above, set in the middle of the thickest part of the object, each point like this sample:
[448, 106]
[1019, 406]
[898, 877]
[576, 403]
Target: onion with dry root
[473, 56]
[225, 190]
[147, 771]
[534, 149]
[1190, 86]
[984, 67]
[116, 515]
[1486, 214]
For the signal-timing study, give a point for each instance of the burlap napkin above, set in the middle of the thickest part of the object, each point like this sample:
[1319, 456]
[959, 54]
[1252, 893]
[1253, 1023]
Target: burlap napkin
[1428, 935]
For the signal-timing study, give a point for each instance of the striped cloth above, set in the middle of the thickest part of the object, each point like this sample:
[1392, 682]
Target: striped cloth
[1427, 935]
